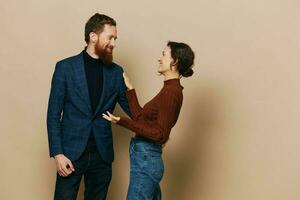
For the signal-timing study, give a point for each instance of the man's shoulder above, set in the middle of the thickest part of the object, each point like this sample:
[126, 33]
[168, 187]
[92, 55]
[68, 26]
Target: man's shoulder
[70, 59]
[116, 67]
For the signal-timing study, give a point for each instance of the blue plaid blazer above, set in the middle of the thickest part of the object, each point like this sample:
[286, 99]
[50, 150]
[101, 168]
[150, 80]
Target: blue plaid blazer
[70, 117]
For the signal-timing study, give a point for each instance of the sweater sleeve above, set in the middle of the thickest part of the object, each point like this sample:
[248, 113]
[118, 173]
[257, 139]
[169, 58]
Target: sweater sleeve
[134, 105]
[158, 130]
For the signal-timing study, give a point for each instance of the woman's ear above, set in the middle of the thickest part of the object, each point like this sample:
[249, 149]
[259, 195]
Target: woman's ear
[174, 64]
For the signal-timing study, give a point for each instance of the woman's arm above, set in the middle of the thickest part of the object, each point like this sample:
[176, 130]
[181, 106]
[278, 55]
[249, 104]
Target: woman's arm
[159, 129]
[134, 105]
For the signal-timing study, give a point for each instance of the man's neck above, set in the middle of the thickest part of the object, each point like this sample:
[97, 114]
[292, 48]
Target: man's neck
[91, 51]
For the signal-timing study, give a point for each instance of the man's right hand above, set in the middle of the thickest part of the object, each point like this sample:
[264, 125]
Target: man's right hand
[64, 166]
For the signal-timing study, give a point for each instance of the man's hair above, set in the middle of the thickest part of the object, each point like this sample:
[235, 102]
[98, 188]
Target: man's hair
[96, 24]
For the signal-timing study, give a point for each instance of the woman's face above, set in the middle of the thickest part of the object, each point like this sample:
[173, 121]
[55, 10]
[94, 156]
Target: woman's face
[165, 61]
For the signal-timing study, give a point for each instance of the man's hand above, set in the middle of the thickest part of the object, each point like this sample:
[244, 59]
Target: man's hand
[64, 166]
[127, 81]
[110, 117]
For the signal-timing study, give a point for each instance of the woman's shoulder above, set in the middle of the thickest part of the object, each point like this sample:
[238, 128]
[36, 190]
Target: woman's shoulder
[172, 93]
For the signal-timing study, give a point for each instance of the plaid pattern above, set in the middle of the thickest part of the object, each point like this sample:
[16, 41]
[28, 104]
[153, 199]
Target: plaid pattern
[70, 117]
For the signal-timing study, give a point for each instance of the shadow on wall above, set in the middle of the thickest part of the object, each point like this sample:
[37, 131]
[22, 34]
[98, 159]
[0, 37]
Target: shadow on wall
[120, 180]
[187, 161]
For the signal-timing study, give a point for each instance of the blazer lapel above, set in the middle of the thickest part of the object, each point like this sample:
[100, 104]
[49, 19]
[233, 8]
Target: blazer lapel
[80, 79]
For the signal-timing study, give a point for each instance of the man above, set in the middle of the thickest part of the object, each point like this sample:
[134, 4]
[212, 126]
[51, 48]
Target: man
[83, 87]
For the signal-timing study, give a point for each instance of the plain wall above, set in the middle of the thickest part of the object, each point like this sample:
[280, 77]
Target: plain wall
[237, 137]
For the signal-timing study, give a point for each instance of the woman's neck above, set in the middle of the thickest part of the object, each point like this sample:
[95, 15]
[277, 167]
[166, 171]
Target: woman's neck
[169, 76]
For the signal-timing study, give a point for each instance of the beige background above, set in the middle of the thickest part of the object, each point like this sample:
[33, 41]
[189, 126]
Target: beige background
[238, 134]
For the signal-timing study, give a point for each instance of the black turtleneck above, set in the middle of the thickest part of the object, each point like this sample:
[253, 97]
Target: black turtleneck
[94, 76]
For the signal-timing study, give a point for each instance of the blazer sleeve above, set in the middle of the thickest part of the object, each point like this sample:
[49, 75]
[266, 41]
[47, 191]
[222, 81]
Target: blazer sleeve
[134, 105]
[55, 109]
[122, 99]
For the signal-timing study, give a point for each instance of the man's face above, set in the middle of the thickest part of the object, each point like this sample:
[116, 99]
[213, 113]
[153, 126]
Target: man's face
[165, 61]
[106, 43]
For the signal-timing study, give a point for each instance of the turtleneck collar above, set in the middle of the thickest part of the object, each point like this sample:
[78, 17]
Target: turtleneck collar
[85, 53]
[173, 81]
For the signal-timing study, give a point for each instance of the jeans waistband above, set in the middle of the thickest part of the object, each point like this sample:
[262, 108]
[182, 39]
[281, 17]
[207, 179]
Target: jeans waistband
[146, 142]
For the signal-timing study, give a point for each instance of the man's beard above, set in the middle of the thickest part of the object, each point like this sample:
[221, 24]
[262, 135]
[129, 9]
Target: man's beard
[105, 56]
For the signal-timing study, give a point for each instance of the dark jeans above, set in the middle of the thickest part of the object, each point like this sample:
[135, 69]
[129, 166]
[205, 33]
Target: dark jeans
[146, 170]
[96, 173]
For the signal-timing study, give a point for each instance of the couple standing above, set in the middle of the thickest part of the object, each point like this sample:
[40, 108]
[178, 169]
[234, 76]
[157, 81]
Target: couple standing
[84, 91]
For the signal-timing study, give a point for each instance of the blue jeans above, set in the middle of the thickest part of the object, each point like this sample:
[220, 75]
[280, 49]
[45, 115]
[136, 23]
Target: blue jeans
[146, 170]
[97, 176]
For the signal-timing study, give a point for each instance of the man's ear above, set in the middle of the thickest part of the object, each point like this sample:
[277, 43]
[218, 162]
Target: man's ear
[93, 37]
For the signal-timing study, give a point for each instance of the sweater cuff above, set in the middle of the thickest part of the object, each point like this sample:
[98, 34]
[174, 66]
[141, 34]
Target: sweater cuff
[123, 121]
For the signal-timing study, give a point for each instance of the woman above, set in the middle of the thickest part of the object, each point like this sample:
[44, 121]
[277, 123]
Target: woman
[153, 123]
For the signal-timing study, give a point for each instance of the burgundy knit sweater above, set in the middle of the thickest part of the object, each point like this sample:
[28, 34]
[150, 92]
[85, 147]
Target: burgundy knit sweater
[155, 120]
